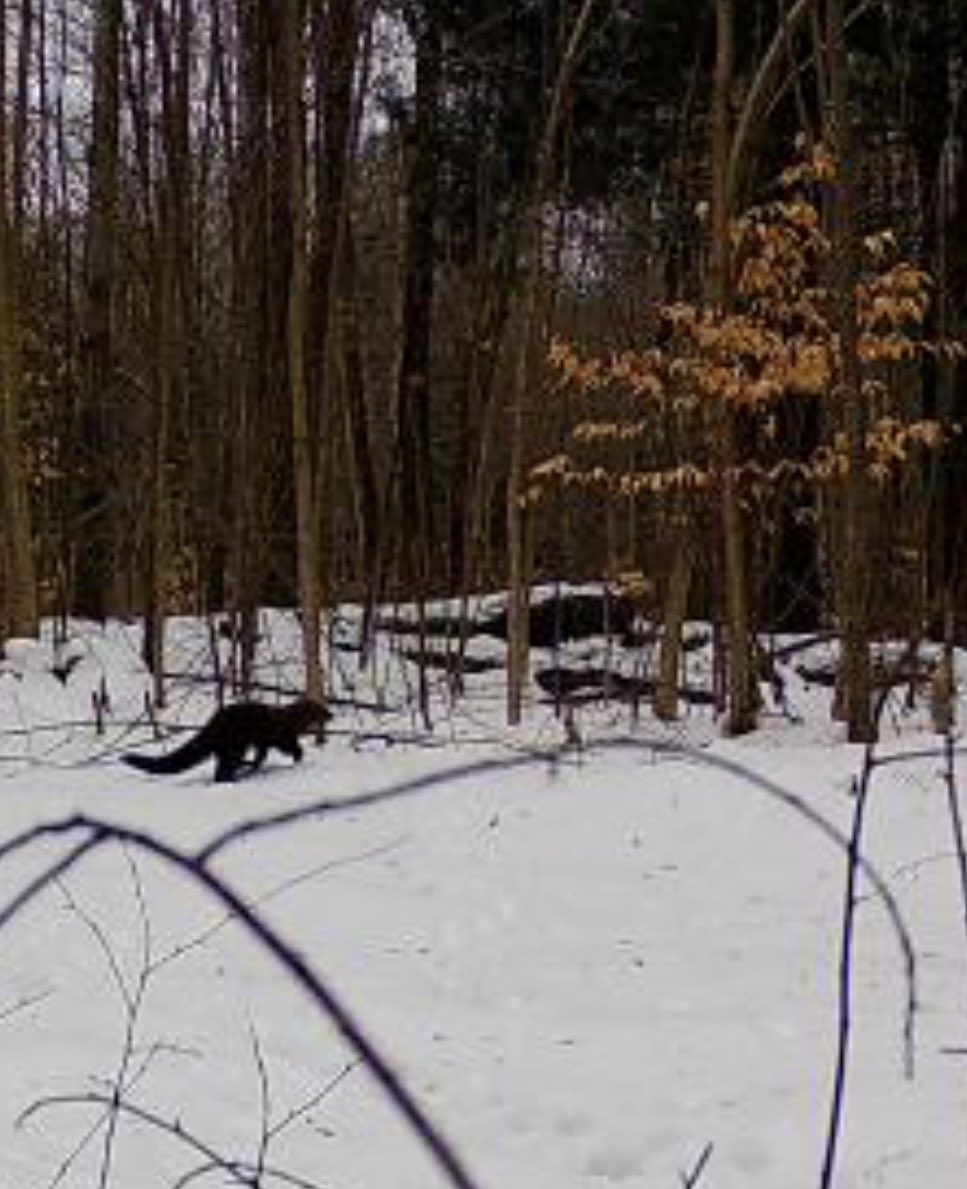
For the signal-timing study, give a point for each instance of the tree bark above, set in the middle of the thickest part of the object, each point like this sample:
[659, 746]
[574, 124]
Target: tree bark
[741, 685]
[854, 565]
[525, 349]
[366, 488]
[413, 398]
[304, 439]
[96, 526]
[18, 608]
[172, 42]
[674, 612]
[250, 438]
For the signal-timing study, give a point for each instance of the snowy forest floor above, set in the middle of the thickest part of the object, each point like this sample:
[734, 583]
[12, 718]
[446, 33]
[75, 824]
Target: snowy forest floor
[613, 965]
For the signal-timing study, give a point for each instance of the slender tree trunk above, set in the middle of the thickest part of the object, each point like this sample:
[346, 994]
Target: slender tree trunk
[18, 607]
[96, 530]
[159, 532]
[854, 565]
[308, 537]
[366, 487]
[528, 338]
[674, 612]
[170, 301]
[472, 484]
[740, 677]
[19, 610]
[414, 416]
[247, 495]
[21, 115]
[336, 366]
[336, 363]
[776, 66]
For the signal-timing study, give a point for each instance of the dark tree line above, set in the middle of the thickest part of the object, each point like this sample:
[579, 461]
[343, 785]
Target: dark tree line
[277, 283]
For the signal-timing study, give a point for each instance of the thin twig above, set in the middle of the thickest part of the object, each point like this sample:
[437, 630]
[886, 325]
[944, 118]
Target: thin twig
[300, 1111]
[132, 998]
[28, 1001]
[101, 940]
[80, 1146]
[240, 1172]
[690, 1179]
[198, 940]
[265, 1104]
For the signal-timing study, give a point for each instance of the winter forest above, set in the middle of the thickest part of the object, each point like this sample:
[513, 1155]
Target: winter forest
[558, 410]
[350, 300]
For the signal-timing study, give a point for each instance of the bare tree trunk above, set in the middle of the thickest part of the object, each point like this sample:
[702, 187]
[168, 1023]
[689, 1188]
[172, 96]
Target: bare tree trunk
[18, 609]
[366, 488]
[854, 566]
[674, 611]
[308, 537]
[249, 449]
[776, 64]
[527, 340]
[414, 417]
[159, 534]
[96, 529]
[344, 50]
[472, 484]
[169, 307]
[21, 115]
[740, 678]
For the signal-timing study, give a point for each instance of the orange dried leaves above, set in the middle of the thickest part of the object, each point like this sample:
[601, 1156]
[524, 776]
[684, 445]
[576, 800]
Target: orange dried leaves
[775, 341]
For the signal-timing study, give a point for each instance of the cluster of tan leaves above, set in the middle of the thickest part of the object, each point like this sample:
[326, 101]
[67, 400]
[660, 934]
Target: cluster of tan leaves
[815, 164]
[774, 342]
[890, 445]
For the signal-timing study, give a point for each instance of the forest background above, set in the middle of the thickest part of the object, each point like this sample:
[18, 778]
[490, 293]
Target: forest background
[375, 300]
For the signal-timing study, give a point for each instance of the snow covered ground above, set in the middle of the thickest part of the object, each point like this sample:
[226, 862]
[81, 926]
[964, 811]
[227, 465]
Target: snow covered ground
[617, 967]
